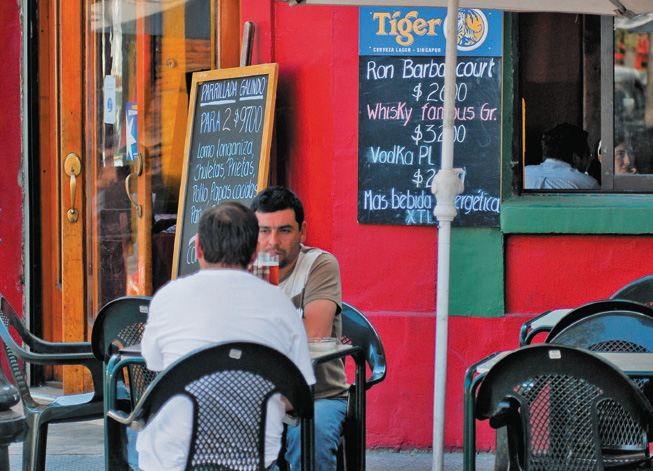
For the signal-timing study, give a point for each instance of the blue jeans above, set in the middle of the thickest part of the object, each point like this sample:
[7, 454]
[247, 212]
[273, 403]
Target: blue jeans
[329, 417]
[132, 454]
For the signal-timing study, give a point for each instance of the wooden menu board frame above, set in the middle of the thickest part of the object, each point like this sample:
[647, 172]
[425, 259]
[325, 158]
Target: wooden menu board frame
[227, 147]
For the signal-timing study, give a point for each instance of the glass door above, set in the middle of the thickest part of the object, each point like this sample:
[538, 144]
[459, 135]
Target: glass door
[140, 54]
[119, 70]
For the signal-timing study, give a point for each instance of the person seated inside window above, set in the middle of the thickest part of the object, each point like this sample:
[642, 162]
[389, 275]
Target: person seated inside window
[565, 158]
[624, 159]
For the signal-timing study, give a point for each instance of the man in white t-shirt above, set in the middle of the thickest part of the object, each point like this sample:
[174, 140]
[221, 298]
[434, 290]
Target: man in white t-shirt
[221, 302]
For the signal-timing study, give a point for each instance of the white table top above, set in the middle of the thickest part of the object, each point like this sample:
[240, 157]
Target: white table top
[341, 350]
[550, 318]
[634, 364]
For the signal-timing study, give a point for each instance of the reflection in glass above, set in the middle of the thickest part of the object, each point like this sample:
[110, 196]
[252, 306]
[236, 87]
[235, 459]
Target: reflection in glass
[633, 98]
[139, 53]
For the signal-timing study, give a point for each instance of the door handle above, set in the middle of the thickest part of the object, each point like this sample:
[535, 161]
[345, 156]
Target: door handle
[138, 172]
[72, 166]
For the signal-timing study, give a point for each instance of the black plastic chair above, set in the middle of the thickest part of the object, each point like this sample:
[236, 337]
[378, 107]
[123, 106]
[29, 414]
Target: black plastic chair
[357, 330]
[71, 408]
[221, 372]
[625, 327]
[640, 290]
[120, 323]
[552, 398]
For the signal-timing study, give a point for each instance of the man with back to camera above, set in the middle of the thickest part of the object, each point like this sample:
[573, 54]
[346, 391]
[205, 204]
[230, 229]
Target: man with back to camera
[311, 278]
[222, 302]
[565, 158]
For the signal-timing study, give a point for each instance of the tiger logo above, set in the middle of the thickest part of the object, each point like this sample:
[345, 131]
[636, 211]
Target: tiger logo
[472, 29]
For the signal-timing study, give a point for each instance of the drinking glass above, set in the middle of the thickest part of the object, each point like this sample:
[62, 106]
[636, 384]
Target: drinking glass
[266, 267]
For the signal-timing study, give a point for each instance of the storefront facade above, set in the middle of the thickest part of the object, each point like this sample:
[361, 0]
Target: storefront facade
[546, 251]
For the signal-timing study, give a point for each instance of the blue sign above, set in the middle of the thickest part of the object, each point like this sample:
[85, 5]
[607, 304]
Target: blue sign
[132, 129]
[389, 31]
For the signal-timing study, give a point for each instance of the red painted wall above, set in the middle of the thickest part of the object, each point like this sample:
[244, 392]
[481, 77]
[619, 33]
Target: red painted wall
[11, 209]
[545, 272]
[400, 410]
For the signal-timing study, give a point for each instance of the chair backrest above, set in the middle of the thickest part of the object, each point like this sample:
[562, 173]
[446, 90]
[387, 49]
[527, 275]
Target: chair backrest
[241, 374]
[598, 307]
[357, 330]
[640, 290]
[119, 324]
[551, 398]
[619, 330]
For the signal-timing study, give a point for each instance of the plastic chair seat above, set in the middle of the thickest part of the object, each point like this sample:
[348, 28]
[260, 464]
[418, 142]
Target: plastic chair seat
[73, 400]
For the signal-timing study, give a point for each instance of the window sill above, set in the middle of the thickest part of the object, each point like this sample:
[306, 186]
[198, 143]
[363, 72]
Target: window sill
[578, 214]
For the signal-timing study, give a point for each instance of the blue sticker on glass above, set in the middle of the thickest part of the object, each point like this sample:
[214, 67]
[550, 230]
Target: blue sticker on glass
[132, 129]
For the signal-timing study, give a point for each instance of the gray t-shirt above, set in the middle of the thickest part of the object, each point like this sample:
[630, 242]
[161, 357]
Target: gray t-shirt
[316, 275]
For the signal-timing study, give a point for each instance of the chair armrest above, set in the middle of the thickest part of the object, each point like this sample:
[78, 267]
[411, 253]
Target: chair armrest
[86, 360]
[377, 376]
[38, 345]
[132, 420]
[59, 358]
[114, 367]
[75, 358]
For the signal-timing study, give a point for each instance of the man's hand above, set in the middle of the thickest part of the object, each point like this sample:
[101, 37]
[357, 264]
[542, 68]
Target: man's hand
[318, 318]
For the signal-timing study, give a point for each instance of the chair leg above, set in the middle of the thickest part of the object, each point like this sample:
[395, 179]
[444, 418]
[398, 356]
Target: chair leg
[341, 456]
[502, 460]
[34, 446]
[115, 446]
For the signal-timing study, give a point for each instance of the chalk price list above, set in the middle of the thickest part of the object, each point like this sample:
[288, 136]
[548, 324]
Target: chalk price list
[226, 147]
[401, 113]
[226, 152]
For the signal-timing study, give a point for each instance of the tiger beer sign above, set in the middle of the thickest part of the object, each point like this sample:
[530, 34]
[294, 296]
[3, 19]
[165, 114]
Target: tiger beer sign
[401, 109]
[420, 31]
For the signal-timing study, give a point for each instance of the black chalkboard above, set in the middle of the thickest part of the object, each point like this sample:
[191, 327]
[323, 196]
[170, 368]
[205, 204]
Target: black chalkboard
[227, 150]
[400, 134]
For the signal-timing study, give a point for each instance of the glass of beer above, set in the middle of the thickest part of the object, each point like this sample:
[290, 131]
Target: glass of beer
[266, 267]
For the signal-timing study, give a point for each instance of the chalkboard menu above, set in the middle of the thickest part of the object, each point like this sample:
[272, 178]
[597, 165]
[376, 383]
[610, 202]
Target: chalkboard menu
[400, 123]
[227, 149]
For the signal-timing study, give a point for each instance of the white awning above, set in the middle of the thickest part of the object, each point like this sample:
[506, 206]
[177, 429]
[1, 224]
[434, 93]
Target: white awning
[627, 8]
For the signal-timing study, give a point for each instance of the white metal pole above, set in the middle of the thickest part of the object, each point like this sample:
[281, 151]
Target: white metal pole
[446, 186]
[442, 313]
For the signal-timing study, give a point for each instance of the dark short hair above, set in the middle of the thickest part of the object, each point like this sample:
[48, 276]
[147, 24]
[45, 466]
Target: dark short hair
[279, 198]
[563, 141]
[228, 234]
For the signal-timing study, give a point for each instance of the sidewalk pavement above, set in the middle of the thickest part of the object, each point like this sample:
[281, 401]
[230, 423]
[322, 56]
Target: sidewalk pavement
[79, 446]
